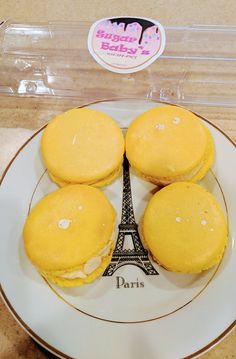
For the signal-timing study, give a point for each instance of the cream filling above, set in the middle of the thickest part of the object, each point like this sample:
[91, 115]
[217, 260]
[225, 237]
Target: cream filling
[90, 266]
[167, 180]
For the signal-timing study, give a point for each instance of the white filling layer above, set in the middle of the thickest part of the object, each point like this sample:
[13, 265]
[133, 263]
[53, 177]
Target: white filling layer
[90, 266]
[75, 274]
[178, 178]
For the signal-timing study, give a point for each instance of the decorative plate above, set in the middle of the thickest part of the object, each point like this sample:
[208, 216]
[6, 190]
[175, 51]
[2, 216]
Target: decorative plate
[136, 309]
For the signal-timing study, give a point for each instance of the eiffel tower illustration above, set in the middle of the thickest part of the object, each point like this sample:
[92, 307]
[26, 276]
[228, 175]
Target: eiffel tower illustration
[128, 227]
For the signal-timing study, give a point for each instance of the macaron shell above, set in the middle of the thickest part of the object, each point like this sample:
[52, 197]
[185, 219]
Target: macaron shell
[68, 227]
[208, 159]
[196, 174]
[109, 179]
[166, 141]
[82, 145]
[100, 183]
[184, 228]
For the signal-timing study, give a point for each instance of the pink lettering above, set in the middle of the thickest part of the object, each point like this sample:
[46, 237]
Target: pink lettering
[114, 48]
[114, 37]
[108, 36]
[132, 51]
[124, 38]
[100, 33]
[123, 48]
[118, 48]
[105, 45]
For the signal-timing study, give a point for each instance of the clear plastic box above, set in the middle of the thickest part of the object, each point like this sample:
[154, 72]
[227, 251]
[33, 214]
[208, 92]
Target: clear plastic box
[198, 65]
[50, 63]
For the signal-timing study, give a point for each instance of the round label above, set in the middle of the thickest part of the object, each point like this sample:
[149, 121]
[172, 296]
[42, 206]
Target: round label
[126, 44]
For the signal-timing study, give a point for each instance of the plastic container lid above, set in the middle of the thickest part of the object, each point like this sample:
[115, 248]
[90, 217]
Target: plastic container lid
[48, 60]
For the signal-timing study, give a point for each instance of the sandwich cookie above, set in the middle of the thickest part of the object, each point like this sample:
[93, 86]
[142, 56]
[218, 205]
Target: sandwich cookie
[184, 228]
[168, 144]
[83, 146]
[68, 235]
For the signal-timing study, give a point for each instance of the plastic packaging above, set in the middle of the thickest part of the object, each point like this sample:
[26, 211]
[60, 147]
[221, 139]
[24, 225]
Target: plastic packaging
[198, 65]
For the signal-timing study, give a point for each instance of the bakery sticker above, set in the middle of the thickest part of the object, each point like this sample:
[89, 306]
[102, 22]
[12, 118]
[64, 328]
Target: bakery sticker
[126, 44]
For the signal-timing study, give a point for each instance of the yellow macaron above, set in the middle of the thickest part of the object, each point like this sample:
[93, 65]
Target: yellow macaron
[83, 146]
[185, 228]
[168, 144]
[68, 235]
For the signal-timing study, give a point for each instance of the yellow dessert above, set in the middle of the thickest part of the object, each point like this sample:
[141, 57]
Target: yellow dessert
[169, 144]
[184, 228]
[83, 146]
[68, 235]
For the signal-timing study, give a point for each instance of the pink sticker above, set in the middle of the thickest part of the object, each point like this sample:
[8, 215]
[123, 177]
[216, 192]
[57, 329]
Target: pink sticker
[126, 44]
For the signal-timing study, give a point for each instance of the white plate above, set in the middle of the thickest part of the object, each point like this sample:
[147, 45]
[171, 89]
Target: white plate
[158, 316]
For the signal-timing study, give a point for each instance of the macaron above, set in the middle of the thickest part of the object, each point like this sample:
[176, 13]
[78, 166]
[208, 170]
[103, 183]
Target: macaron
[83, 146]
[68, 235]
[169, 144]
[185, 228]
